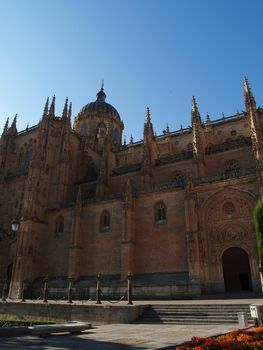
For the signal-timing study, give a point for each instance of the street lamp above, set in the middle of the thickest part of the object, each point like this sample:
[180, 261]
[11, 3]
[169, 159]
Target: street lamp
[15, 224]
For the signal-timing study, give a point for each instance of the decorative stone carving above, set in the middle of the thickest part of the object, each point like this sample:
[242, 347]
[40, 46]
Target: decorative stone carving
[230, 233]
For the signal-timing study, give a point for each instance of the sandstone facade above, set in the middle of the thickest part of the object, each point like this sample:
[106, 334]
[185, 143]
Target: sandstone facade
[173, 210]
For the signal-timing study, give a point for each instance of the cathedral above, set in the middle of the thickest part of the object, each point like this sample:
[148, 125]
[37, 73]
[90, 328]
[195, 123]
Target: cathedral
[174, 210]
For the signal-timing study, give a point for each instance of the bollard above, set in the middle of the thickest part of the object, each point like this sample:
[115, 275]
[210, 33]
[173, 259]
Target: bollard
[23, 293]
[4, 292]
[129, 280]
[70, 281]
[98, 290]
[45, 291]
[242, 320]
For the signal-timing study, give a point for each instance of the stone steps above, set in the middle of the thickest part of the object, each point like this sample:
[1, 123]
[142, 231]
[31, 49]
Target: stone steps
[194, 314]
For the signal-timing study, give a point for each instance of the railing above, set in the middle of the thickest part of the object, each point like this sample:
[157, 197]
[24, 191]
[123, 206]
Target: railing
[224, 176]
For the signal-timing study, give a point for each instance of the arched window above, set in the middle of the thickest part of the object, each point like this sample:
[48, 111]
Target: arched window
[91, 172]
[59, 226]
[228, 210]
[83, 130]
[116, 135]
[232, 169]
[28, 157]
[178, 179]
[190, 147]
[105, 221]
[21, 159]
[160, 213]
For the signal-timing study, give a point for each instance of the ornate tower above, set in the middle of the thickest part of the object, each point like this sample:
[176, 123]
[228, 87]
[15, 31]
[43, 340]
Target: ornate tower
[197, 138]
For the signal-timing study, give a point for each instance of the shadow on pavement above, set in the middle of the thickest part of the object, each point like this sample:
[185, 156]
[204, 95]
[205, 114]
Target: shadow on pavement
[63, 341]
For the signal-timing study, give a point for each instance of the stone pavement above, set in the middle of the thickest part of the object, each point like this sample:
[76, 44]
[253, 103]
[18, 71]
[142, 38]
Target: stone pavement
[127, 336]
[117, 337]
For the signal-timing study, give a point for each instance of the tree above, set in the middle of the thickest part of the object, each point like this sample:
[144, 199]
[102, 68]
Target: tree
[258, 221]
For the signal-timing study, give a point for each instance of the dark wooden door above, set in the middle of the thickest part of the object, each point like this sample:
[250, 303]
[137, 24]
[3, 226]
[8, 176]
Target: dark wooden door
[236, 270]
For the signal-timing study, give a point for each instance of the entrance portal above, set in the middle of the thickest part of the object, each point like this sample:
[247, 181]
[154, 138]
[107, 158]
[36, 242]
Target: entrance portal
[236, 270]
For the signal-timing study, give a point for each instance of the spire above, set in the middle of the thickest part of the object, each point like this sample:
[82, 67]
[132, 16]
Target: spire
[6, 125]
[65, 109]
[45, 112]
[101, 96]
[248, 95]
[52, 107]
[208, 120]
[13, 126]
[148, 127]
[148, 115]
[196, 119]
[69, 113]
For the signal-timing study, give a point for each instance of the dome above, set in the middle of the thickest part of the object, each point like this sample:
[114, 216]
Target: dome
[100, 106]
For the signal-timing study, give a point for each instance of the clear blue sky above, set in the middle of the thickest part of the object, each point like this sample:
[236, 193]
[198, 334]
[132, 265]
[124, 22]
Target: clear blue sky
[149, 53]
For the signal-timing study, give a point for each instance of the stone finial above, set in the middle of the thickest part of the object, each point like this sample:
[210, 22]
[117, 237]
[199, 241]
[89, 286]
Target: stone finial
[248, 95]
[148, 115]
[45, 112]
[208, 120]
[13, 125]
[6, 126]
[69, 113]
[65, 109]
[52, 107]
[196, 119]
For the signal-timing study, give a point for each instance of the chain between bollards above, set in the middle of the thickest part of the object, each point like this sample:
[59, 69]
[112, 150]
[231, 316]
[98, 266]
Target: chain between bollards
[98, 290]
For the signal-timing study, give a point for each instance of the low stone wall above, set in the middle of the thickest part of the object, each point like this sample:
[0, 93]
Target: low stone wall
[71, 312]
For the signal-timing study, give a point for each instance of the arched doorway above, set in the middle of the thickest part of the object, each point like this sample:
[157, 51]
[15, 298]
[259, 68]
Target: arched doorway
[236, 270]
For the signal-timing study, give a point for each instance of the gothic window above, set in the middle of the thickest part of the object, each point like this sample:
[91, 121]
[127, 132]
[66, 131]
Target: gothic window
[190, 147]
[160, 213]
[59, 229]
[178, 179]
[91, 172]
[83, 130]
[20, 159]
[116, 135]
[232, 169]
[228, 210]
[90, 193]
[28, 157]
[105, 221]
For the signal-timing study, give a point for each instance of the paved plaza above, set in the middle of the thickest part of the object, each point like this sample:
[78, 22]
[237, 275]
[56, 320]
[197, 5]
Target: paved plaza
[117, 336]
[127, 336]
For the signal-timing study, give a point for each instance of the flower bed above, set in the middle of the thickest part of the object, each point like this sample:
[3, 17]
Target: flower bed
[236, 340]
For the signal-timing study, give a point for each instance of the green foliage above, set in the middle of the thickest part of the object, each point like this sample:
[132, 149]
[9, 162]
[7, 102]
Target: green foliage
[258, 221]
[21, 323]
